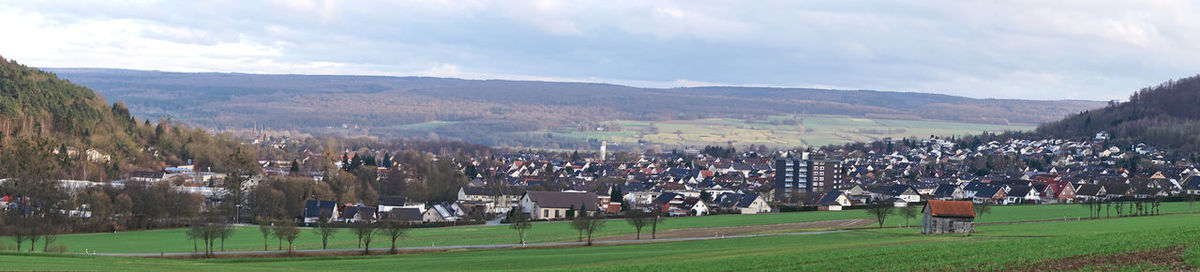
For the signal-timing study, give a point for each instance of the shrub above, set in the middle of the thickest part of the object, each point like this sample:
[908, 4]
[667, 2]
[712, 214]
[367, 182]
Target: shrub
[57, 248]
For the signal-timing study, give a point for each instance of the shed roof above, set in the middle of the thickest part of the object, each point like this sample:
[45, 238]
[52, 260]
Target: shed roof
[943, 208]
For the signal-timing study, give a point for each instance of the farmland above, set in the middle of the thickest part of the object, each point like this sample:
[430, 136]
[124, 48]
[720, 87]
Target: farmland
[993, 247]
[249, 238]
[776, 131]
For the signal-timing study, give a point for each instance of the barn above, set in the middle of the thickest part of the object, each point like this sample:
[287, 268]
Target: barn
[942, 216]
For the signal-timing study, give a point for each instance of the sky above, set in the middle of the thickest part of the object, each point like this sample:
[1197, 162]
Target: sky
[1094, 50]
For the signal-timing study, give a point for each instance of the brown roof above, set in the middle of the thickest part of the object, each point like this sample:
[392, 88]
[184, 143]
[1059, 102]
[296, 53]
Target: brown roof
[945, 208]
[548, 199]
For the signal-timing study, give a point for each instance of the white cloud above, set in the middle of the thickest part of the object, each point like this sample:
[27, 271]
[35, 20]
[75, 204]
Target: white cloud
[1027, 49]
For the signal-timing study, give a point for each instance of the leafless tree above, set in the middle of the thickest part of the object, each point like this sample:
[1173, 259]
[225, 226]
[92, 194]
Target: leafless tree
[520, 222]
[365, 232]
[325, 229]
[638, 219]
[657, 216]
[394, 229]
[287, 231]
[880, 209]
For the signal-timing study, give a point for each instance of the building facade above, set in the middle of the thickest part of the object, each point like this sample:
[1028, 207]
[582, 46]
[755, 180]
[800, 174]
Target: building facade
[811, 173]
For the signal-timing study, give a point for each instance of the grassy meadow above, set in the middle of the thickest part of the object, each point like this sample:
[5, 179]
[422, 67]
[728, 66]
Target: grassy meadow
[992, 248]
[249, 238]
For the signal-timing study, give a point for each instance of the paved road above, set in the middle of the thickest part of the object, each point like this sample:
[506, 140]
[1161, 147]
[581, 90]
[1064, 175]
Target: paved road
[482, 246]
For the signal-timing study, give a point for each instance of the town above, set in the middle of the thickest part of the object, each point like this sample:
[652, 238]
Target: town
[696, 182]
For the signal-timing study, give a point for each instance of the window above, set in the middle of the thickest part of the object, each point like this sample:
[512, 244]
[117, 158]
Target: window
[545, 213]
[556, 214]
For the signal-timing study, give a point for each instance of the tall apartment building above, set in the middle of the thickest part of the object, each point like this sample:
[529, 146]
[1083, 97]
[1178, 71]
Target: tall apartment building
[810, 173]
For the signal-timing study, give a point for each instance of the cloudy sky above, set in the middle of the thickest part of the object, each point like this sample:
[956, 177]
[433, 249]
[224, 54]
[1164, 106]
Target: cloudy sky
[1006, 49]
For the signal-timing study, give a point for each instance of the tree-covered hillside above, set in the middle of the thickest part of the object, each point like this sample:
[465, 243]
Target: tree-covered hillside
[1164, 115]
[520, 113]
[94, 140]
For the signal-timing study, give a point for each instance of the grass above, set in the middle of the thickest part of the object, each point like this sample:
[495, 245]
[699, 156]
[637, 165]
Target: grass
[992, 248]
[249, 238]
[807, 130]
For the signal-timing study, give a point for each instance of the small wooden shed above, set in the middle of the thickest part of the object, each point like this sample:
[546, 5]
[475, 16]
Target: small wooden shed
[942, 216]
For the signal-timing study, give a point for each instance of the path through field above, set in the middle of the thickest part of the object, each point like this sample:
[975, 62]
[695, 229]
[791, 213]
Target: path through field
[745, 230]
[436, 248]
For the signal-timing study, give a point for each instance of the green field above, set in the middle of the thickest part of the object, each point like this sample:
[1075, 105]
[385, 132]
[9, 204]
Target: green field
[249, 238]
[803, 130]
[992, 248]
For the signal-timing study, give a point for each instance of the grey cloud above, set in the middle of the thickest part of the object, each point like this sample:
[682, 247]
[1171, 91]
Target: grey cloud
[1024, 49]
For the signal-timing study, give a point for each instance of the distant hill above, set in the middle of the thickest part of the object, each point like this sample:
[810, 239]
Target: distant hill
[1165, 115]
[95, 140]
[497, 112]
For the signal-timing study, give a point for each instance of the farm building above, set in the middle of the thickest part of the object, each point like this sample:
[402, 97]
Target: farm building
[942, 216]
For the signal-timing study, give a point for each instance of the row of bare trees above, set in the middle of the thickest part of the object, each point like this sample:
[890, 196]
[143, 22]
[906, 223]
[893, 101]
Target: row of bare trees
[1135, 207]
[588, 223]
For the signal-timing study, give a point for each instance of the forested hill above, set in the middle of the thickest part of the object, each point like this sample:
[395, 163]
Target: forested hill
[504, 112]
[39, 108]
[1165, 115]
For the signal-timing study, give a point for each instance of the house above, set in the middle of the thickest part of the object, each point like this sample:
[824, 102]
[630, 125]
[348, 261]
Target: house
[946, 191]
[833, 201]
[387, 203]
[1065, 190]
[670, 203]
[548, 205]
[502, 198]
[409, 215]
[972, 188]
[695, 206]
[940, 216]
[357, 213]
[1018, 194]
[750, 203]
[990, 194]
[1090, 192]
[1191, 185]
[439, 213]
[898, 191]
[315, 209]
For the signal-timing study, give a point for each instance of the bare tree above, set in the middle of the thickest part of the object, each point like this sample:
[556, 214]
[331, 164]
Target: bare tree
[520, 222]
[287, 231]
[595, 222]
[981, 209]
[207, 229]
[880, 210]
[325, 229]
[394, 229]
[365, 232]
[1191, 199]
[580, 222]
[223, 231]
[1157, 202]
[14, 229]
[265, 226]
[656, 217]
[909, 212]
[638, 219]
[34, 232]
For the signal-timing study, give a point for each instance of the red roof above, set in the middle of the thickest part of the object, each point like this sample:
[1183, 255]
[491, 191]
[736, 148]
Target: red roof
[951, 208]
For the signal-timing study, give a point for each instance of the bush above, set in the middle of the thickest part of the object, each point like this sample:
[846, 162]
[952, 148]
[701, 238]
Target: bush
[57, 248]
